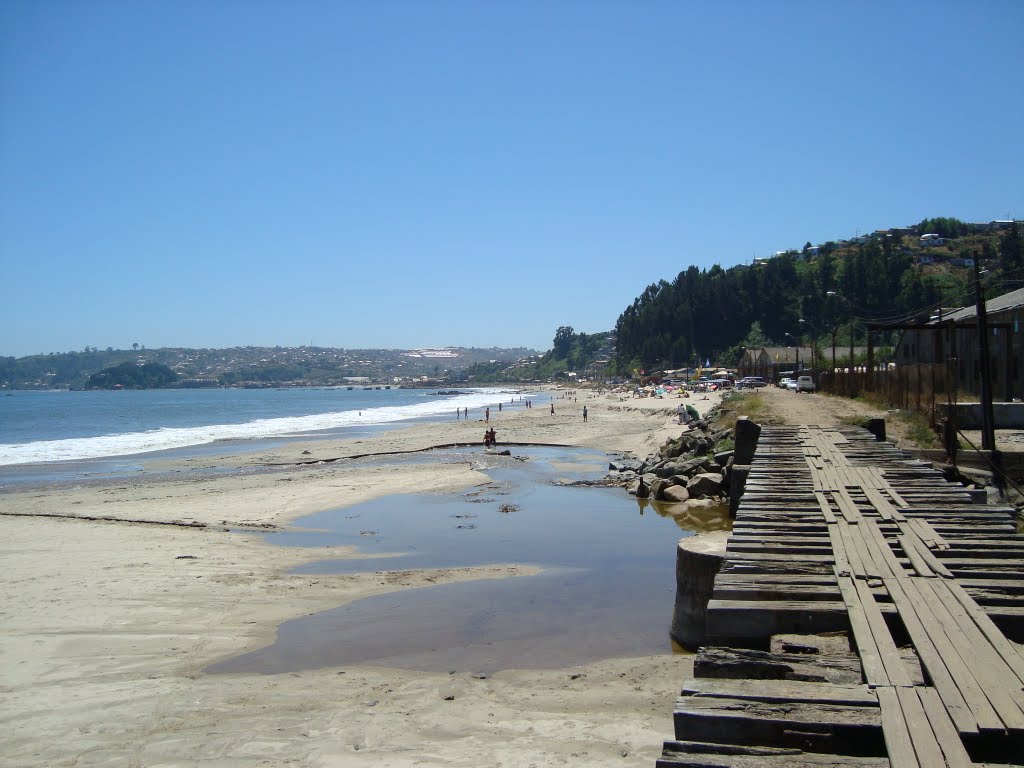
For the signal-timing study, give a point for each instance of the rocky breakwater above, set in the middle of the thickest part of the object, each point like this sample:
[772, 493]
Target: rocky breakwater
[698, 465]
[692, 466]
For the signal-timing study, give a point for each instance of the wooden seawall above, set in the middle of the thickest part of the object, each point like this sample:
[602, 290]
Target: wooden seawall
[867, 613]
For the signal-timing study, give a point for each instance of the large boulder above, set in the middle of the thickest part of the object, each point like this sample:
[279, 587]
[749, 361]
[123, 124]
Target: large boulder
[723, 457]
[658, 486]
[690, 467]
[675, 493]
[666, 470]
[704, 484]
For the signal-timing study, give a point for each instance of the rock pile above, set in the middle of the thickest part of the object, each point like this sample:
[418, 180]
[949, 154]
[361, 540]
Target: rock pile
[684, 468]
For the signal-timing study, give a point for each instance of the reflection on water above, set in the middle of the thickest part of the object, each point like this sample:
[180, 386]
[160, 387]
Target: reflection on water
[607, 589]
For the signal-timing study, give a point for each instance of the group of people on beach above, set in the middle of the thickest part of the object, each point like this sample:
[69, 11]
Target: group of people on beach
[490, 438]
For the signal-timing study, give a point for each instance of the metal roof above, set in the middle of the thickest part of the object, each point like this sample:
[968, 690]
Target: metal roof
[1008, 301]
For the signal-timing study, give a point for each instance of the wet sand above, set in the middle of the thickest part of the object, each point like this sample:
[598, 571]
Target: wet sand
[106, 624]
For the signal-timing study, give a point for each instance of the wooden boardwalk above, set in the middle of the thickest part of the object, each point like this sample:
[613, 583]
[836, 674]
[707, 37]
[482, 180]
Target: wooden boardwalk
[920, 587]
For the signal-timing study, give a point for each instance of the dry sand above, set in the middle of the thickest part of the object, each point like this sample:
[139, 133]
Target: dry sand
[106, 626]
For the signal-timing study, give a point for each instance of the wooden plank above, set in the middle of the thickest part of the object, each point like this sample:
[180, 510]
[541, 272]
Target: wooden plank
[885, 510]
[869, 570]
[846, 506]
[739, 663]
[991, 673]
[895, 669]
[926, 536]
[926, 747]
[843, 567]
[874, 669]
[1005, 653]
[781, 691]
[942, 727]
[1009, 652]
[852, 553]
[790, 724]
[700, 754]
[826, 509]
[895, 567]
[867, 534]
[985, 714]
[917, 562]
[953, 700]
[926, 555]
[754, 622]
[897, 735]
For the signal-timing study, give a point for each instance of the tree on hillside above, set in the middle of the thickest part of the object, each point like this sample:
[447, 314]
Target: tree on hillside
[943, 226]
[1011, 251]
[564, 338]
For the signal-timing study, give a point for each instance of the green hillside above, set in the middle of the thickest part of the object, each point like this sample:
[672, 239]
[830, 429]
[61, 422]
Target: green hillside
[888, 276]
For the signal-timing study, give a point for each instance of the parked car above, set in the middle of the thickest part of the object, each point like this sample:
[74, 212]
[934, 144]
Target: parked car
[751, 382]
[787, 383]
[805, 384]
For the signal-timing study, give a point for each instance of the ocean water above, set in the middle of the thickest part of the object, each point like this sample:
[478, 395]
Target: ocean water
[60, 426]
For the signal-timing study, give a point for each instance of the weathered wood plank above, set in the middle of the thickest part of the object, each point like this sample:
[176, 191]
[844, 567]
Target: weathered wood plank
[961, 714]
[843, 567]
[895, 669]
[818, 727]
[691, 754]
[926, 748]
[984, 713]
[874, 669]
[781, 691]
[898, 743]
[919, 564]
[942, 727]
[739, 663]
[1009, 652]
[746, 621]
[987, 667]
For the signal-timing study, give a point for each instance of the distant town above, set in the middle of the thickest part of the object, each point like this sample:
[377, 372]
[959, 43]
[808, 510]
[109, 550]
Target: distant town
[259, 366]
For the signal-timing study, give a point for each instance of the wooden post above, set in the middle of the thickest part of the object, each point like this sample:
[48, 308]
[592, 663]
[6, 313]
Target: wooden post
[698, 559]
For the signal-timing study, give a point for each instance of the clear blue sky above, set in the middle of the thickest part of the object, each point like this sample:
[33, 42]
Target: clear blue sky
[401, 174]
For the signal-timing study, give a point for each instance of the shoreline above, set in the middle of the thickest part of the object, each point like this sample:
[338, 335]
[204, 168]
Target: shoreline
[107, 625]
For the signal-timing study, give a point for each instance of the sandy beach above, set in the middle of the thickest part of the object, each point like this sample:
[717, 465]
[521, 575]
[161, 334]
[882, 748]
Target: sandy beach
[117, 594]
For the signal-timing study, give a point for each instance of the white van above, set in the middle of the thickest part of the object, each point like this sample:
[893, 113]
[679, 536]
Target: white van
[805, 384]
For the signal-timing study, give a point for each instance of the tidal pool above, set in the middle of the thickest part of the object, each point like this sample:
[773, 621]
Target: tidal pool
[606, 591]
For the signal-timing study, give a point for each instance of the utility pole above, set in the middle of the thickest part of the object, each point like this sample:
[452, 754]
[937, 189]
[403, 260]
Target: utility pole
[852, 388]
[988, 431]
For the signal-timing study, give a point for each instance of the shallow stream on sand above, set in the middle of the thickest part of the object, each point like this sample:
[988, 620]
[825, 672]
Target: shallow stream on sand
[607, 588]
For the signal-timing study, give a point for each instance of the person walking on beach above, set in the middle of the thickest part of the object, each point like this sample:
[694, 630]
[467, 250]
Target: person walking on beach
[584, 414]
[552, 409]
[465, 413]
[499, 406]
[487, 414]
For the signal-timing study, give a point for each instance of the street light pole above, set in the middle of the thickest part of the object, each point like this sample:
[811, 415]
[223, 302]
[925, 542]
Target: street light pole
[849, 308]
[797, 340]
[814, 339]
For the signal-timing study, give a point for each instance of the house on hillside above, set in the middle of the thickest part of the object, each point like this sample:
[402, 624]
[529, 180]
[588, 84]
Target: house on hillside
[902, 231]
[953, 334]
[931, 239]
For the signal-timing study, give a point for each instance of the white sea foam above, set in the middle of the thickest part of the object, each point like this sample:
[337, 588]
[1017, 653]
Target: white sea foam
[168, 438]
